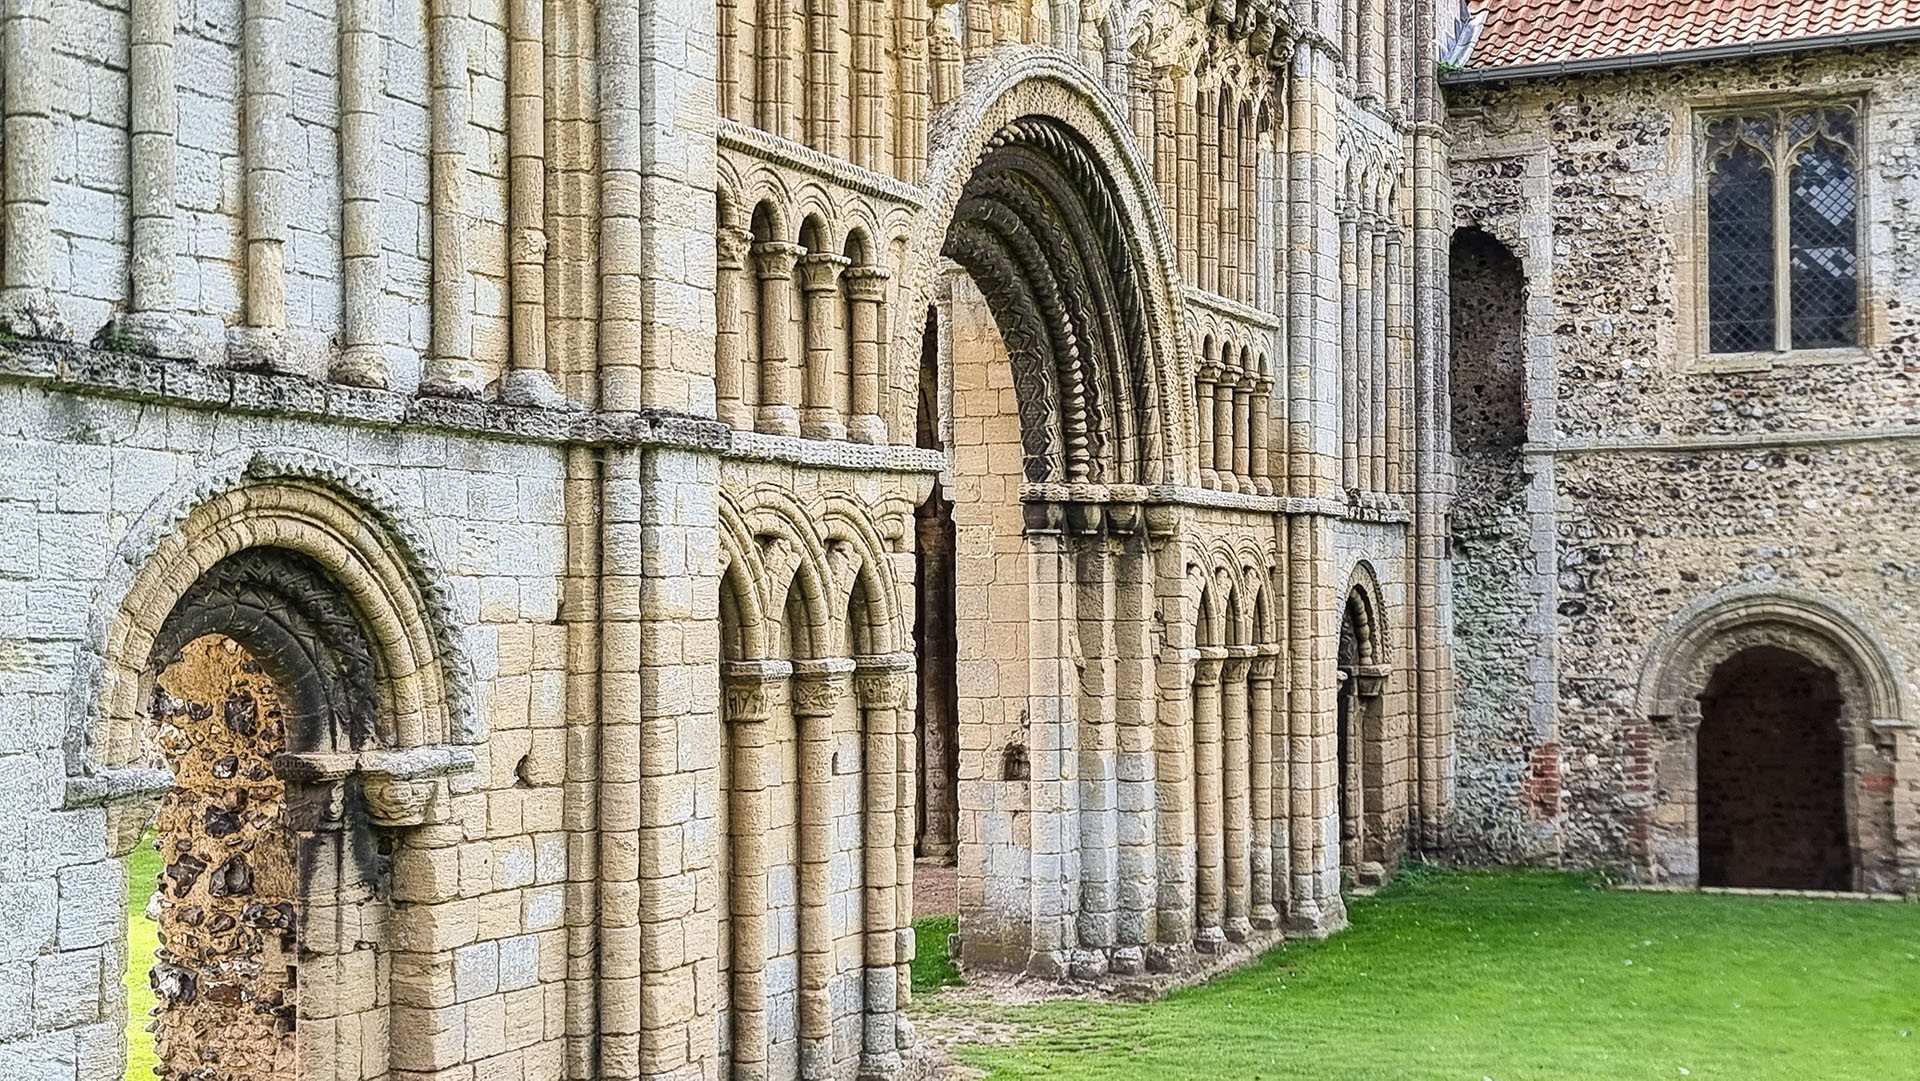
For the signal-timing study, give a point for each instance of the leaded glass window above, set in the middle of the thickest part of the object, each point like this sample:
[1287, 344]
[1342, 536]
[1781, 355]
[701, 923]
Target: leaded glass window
[1783, 231]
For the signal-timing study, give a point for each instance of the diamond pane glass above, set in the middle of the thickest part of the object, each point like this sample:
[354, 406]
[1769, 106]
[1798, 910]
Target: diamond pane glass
[1740, 254]
[1821, 211]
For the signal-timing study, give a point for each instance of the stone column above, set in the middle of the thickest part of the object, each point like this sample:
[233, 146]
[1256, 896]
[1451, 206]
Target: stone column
[1303, 911]
[817, 688]
[450, 371]
[749, 822]
[823, 417]
[1251, 209]
[774, 261]
[867, 295]
[151, 324]
[1135, 715]
[362, 361]
[1053, 741]
[869, 104]
[1382, 349]
[26, 173]
[910, 102]
[527, 380]
[1244, 424]
[943, 54]
[1207, 234]
[1383, 342]
[881, 685]
[1166, 157]
[261, 341]
[1365, 393]
[1094, 608]
[624, 212]
[1363, 69]
[621, 703]
[776, 112]
[1257, 462]
[1173, 778]
[1396, 59]
[1224, 433]
[1185, 110]
[821, 100]
[1349, 348]
[1208, 823]
[1209, 374]
[1227, 164]
[1237, 782]
[730, 367]
[1397, 311]
[1269, 772]
[1433, 448]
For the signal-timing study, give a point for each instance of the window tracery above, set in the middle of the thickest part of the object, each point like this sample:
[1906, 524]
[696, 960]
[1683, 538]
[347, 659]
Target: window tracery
[1783, 261]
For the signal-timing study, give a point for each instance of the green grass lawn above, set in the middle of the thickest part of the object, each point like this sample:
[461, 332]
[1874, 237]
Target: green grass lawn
[142, 939]
[1522, 976]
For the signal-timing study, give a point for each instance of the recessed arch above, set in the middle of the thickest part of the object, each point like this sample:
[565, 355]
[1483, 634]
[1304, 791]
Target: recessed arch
[1676, 692]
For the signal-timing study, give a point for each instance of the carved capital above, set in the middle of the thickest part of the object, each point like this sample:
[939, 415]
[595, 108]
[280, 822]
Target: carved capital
[745, 685]
[773, 260]
[818, 685]
[1206, 667]
[1238, 662]
[1266, 665]
[732, 246]
[882, 681]
[820, 272]
[866, 283]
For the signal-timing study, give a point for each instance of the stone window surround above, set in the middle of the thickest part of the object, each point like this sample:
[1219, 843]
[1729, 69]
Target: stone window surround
[1690, 235]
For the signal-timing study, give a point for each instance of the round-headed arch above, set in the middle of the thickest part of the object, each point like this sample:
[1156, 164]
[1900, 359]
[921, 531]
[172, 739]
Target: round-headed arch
[1040, 194]
[312, 534]
[1699, 638]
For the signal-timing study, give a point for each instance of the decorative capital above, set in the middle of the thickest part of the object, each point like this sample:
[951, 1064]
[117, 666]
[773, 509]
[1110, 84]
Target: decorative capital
[867, 283]
[1266, 665]
[1206, 668]
[773, 260]
[745, 685]
[820, 271]
[818, 685]
[731, 246]
[882, 681]
[1238, 662]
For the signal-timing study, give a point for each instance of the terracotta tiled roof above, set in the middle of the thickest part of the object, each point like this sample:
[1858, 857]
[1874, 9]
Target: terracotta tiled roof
[1519, 32]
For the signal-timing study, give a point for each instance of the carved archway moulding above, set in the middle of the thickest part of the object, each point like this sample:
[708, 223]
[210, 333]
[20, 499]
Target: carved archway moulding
[1033, 103]
[1697, 639]
[345, 524]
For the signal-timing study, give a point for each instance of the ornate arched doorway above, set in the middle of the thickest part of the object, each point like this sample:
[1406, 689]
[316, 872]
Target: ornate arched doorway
[1057, 372]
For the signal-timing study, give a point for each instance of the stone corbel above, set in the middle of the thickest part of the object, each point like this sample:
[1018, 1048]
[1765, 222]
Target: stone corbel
[131, 798]
[1370, 680]
[1886, 732]
[402, 788]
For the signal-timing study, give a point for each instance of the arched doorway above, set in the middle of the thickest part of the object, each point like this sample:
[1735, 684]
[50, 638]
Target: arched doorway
[1772, 785]
[1773, 732]
[1056, 371]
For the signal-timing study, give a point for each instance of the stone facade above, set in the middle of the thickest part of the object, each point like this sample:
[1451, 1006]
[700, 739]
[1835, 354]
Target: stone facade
[1639, 512]
[559, 403]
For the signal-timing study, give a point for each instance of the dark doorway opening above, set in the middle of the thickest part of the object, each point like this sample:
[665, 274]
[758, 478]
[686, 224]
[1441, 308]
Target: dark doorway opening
[935, 642]
[1772, 775]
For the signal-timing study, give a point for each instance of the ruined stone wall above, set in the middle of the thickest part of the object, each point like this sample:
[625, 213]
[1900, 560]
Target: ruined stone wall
[225, 974]
[561, 416]
[1666, 481]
